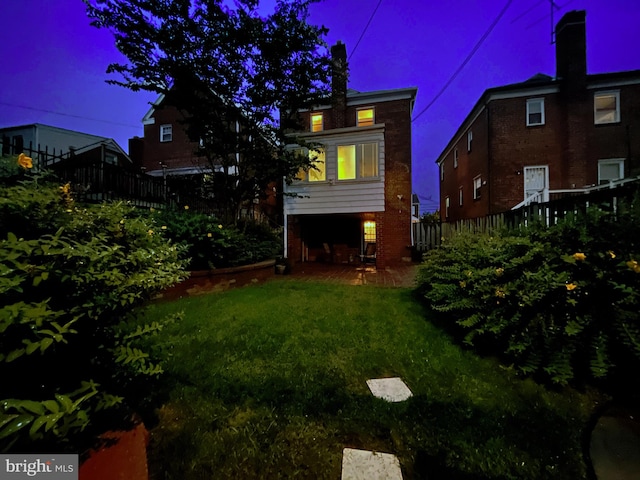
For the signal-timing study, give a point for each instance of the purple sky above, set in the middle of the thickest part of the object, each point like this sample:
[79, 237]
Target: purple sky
[53, 63]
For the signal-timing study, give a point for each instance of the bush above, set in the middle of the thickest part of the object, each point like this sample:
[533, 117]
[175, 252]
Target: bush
[69, 277]
[561, 303]
[208, 244]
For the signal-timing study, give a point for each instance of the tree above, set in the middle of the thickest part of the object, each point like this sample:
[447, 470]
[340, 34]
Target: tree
[230, 72]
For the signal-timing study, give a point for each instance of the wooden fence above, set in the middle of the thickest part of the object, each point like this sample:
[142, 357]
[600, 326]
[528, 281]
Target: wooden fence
[429, 236]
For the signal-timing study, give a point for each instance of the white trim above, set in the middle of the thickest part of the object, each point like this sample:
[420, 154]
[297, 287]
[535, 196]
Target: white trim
[148, 117]
[162, 132]
[606, 93]
[533, 101]
[612, 84]
[476, 189]
[612, 161]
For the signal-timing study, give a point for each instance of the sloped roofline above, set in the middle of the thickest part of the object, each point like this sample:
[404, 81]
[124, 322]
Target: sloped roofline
[539, 84]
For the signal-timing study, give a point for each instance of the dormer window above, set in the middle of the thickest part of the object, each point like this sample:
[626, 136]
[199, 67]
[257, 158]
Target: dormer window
[317, 122]
[166, 133]
[365, 117]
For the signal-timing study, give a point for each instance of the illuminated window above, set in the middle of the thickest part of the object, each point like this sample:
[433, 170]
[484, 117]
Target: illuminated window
[365, 117]
[317, 122]
[357, 161]
[535, 112]
[606, 107]
[318, 172]
[166, 133]
[369, 232]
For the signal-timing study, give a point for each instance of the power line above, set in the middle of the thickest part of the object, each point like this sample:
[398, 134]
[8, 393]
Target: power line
[365, 29]
[67, 115]
[466, 60]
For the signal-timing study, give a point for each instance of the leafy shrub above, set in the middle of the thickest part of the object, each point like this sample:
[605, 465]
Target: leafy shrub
[209, 244]
[559, 302]
[69, 277]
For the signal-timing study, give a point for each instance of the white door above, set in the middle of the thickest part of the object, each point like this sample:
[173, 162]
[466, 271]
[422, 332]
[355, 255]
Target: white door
[536, 184]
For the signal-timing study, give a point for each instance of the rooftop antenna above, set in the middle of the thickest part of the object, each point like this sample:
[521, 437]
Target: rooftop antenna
[553, 7]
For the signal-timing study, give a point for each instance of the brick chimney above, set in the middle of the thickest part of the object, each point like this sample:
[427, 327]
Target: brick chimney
[339, 84]
[571, 53]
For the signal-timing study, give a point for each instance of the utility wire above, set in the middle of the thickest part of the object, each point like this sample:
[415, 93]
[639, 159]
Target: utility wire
[67, 115]
[466, 60]
[365, 29]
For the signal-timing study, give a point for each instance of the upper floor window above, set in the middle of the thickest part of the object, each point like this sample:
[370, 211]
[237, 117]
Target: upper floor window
[455, 157]
[442, 172]
[166, 133]
[317, 122]
[447, 204]
[357, 161]
[610, 170]
[477, 184]
[469, 140]
[460, 196]
[318, 172]
[365, 117]
[535, 112]
[606, 107]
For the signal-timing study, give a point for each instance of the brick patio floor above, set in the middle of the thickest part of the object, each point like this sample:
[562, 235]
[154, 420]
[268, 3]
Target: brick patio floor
[400, 276]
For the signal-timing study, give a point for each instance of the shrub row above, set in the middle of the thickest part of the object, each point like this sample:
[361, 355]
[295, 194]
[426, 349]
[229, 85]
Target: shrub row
[560, 303]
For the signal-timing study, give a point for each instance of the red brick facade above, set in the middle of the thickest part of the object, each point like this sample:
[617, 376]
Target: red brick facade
[150, 152]
[392, 110]
[569, 142]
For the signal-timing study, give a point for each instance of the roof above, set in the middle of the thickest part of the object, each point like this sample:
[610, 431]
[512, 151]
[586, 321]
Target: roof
[51, 127]
[538, 84]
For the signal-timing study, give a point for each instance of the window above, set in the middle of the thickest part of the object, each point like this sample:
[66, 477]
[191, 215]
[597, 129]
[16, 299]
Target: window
[610, 170]
[469, 140]
[447, 203]
[18, 144]
[317, 122]
[535, 112]
[369, 232]
[460, 196]
[166, 133]
[477, 184]
[455, 158]
[365, 117]
[319, 172]
[357, 161]
[606, 107]
[442, 172]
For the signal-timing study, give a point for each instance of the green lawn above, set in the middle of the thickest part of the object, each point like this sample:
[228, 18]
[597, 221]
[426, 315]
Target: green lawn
[268, 381]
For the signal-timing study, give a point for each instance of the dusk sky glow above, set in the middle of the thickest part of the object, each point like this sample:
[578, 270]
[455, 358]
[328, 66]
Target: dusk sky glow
[54, 62]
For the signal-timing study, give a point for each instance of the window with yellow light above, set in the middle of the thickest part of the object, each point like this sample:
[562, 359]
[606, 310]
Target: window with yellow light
[365, 117]
[317, 122]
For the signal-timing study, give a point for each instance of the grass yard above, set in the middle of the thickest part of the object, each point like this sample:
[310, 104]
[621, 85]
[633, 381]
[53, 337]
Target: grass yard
[269, 381]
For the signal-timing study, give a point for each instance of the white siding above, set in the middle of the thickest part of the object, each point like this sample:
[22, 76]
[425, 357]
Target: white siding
[333, 195]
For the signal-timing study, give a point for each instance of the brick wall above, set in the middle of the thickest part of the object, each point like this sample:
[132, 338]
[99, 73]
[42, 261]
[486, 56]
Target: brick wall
[569, 143]
[393, 226]
[177, 153]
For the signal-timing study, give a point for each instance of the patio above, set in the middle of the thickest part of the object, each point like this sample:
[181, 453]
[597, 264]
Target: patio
[399, 276]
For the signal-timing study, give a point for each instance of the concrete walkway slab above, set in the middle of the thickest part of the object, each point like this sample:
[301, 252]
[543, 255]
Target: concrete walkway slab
[615, 447]
[389, 389]
[366, 465]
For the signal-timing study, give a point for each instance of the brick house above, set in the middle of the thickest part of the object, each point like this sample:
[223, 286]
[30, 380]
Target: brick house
[166, 151]
[360, 193]
[522, 142]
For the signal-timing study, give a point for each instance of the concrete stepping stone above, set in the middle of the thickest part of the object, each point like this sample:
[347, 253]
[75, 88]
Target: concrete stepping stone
[389, 389]
[366, 465]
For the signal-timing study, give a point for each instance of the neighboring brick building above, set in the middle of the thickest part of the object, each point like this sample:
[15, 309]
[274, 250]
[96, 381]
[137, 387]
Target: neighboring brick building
[166, 151]
[523, 141]
[361, 191]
